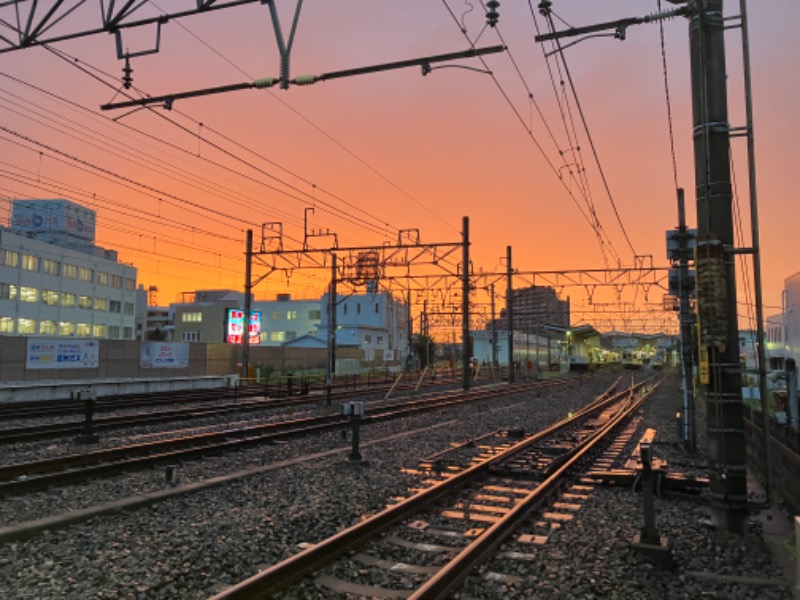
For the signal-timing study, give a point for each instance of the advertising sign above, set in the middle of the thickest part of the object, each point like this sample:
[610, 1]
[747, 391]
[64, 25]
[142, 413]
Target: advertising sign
[234, 330]
[55, 217]
[164, 355]
[62, 353]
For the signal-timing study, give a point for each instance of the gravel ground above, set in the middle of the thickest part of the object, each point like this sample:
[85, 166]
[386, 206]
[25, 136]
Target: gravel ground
[193, 545]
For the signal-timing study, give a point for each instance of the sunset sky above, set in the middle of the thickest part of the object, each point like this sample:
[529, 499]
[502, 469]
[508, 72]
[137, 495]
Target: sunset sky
[176, 190]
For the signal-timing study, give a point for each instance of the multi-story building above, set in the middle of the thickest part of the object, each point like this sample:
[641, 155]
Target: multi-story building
[534, 308]
[376, 321]
[55, 281]
[284, 319]
[203, 315]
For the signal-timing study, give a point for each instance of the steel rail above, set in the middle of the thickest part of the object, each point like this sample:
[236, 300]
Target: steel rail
[450, 577]
[296, 567]
[18, 478]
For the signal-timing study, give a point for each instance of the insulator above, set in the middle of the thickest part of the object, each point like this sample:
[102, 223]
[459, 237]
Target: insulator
[304, 80]
[127, 70]
[544, 7]
[491, 13]
[265, 82]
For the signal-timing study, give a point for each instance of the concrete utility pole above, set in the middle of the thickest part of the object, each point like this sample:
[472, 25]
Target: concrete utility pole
[716, 274]
[510, 312]
[494, 331]
[688, 320]
[248, 291]
[332, 301]
[465, 345]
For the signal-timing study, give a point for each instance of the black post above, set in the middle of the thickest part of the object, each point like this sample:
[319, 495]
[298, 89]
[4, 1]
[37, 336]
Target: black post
[465, 345]
[331, 331]
[687, 320]
[247, 306]
[716, 274]
[510, 312]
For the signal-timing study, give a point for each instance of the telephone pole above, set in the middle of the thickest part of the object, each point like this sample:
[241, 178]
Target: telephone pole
[716, 273]
[719, 368]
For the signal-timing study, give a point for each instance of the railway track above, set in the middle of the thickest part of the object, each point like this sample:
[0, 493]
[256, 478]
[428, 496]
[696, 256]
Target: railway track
[237, 404]
[24, 478]
[61, 408]
[424, 546]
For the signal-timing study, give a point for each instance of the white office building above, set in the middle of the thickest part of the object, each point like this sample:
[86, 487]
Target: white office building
[54, 281]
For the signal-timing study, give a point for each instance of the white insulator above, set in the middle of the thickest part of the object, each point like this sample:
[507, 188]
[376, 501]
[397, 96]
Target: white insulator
[304, 80]
[265, 82]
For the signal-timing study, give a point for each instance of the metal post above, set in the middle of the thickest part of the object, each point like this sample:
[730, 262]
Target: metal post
[687, 321]
[331, 331]
[751, 167]
[510, 311]
[465, 345]
[247, 304]
[494, 331]
[716, 274]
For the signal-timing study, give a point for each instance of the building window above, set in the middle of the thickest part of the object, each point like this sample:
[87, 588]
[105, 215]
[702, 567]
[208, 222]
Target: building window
[66, 328]
[8, 291]
[101, 304]
[192, 317]
[30, 262]
[10, 258]
[358, 308]
[130, 284]
[85, 274]
[113, 332]
[116, 281]
[277, 336]
[85, 302]
[47, 328]
[68, 299]
[190, 336]
[344, 309]
[83, 330]
[377, 308]
[127, 333]
[380, 340]
[50, 266]
[28, 294]
[128, 309]
[102, 277]
[50, 297]
[26, 326]
[291, 335]
[70, 271]
[6, 325]
[99, 331]
[291, 315]
[367, 339]
[277, 315]
[314, 315]
[115, 306]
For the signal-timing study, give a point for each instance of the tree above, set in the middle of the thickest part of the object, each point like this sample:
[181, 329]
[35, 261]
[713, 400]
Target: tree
[425, 350]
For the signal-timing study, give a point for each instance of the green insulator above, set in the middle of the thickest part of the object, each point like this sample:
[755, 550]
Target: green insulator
[265, 82]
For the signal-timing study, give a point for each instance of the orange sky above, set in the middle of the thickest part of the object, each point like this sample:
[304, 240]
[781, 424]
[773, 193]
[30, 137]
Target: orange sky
[392, 150]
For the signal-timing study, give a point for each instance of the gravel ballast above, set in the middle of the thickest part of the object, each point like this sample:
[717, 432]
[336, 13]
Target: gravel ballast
[194, 545]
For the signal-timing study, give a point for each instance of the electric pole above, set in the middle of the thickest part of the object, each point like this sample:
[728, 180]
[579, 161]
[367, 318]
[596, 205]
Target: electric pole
[716, 273]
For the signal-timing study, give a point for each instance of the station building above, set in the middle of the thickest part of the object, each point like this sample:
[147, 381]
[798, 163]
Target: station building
[54, 280]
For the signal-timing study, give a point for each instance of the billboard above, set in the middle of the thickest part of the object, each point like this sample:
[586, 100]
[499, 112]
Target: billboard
[62, 353]
[54, 217]
[164, 355]
[234, 327]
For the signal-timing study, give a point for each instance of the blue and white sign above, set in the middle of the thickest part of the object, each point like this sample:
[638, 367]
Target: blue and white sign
[62, 353]
[163, 355]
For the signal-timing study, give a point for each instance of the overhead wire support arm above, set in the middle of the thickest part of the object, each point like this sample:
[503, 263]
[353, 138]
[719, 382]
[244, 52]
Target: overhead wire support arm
[619, 26]
[424, 62]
